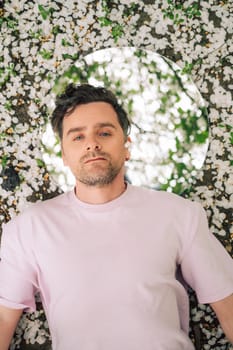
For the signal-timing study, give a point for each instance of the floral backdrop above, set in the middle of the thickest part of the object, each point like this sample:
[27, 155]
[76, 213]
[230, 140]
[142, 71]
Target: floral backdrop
[41, 39]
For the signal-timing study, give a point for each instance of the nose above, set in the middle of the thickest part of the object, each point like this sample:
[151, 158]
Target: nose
[93, 145]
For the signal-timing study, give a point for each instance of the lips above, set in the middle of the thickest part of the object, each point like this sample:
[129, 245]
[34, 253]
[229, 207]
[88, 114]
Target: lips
[94, 157]
[94, 160]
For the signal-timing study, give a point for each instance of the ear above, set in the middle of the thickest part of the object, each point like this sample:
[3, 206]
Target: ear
[128, 142]
[63, 156]
[127, 145]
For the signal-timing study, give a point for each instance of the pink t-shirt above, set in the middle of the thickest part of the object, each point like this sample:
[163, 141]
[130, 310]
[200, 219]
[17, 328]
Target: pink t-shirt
[106, 273]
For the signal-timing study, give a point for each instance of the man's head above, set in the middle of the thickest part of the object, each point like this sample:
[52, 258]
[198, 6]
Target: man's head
[93, 129]
[74, 96]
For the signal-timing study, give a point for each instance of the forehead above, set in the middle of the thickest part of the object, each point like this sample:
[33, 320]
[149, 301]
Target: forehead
[90, 113]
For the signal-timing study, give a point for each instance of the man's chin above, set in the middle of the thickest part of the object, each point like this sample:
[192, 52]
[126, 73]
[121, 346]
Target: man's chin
[97, 181]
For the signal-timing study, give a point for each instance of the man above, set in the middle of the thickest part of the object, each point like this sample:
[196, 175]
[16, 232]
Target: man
[104, 257]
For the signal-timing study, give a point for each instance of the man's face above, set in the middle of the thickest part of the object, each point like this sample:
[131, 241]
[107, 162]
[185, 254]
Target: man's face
[93, 144]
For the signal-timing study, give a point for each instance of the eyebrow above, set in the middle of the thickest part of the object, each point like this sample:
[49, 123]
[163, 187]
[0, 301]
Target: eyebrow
[96, 126]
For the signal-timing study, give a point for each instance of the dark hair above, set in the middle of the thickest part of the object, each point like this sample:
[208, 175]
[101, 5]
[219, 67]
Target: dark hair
[82, 94]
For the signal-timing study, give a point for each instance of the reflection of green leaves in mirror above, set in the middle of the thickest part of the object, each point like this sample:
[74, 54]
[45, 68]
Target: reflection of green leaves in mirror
[169, 120]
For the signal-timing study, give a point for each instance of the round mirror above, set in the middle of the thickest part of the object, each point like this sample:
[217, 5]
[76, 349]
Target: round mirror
[169, 120]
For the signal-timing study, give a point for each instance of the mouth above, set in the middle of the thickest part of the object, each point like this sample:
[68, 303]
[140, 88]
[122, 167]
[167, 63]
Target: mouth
[97, 159]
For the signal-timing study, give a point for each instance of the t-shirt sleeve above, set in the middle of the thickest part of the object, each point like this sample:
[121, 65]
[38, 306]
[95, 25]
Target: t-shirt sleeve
[17, 267]
[206, 265]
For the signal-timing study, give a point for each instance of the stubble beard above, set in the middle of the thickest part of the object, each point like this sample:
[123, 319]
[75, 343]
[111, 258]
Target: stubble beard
[98, 175]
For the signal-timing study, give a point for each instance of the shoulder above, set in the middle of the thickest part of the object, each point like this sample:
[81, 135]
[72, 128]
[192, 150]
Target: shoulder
[37, 210]
[59, 201]
[167, 205]
[163, 198]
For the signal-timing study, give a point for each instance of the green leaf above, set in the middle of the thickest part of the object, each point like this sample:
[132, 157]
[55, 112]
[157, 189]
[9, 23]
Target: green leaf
[229, 127]
[37, 34]
[8, 105]
[56, 29]
[231, 137]
[65, 42]
[68, 56]
[180, 110]
[44, 13]
[12, 24]
[104, 22]
[40, 163]
[202, 137]
[170, 15]
[4, 160]
[117, 31]
[46, 54]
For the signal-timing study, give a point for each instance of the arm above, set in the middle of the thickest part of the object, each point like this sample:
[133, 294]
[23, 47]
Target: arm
[224, 311]
[8, 321]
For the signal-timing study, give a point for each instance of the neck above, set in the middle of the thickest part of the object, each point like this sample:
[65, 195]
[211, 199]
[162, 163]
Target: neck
[100, 195]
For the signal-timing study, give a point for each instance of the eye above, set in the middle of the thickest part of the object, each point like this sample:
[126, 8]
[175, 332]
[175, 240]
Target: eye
[78, 137]
[104, 134]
